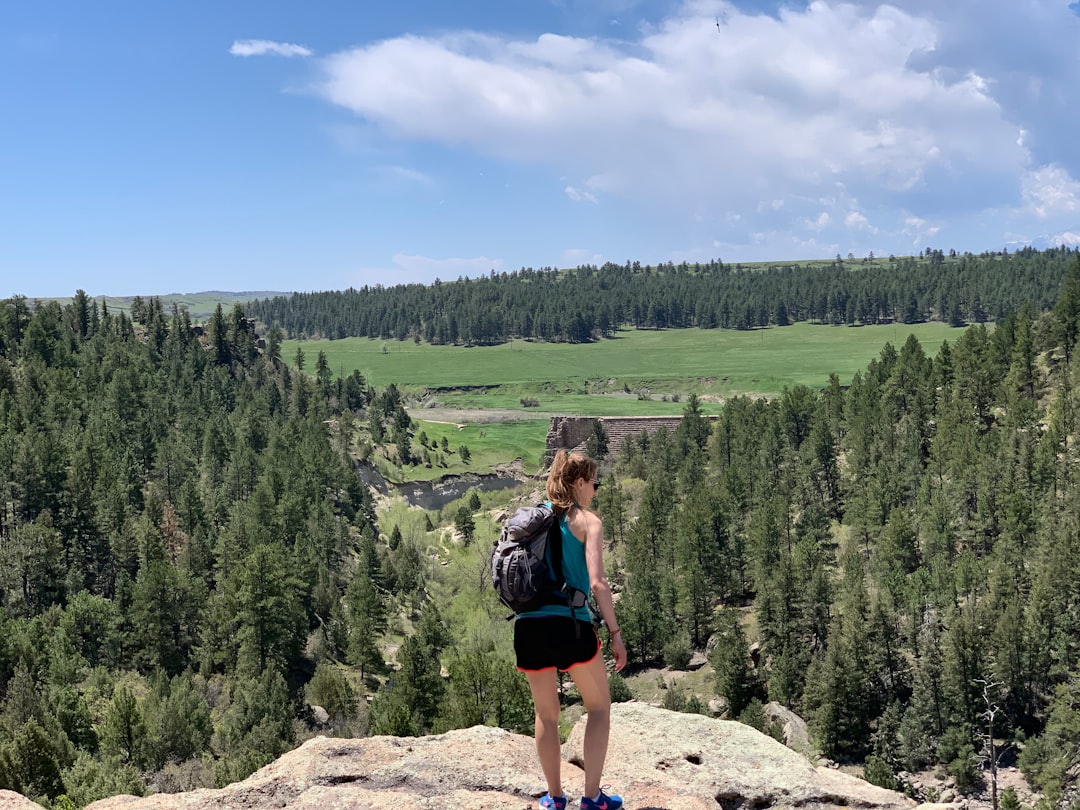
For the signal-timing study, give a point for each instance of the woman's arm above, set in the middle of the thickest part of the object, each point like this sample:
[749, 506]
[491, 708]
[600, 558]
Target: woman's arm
[601, 589]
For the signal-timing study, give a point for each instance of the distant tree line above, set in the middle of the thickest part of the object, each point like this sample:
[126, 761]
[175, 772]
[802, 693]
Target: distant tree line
[589, 302]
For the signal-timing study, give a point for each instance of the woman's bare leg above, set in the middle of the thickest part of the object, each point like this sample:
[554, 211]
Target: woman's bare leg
[545, 695]
[592, 685]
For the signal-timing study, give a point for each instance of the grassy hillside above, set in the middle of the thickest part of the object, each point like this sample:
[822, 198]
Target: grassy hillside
[200, 305]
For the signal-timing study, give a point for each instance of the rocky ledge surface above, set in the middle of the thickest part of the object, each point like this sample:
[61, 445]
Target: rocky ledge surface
[658, 760]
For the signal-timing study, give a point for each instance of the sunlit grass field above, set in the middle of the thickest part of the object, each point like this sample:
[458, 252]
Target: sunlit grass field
[570, 377]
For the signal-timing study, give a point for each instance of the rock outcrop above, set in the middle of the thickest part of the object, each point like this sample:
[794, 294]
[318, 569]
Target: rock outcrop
[657, 759]
[794, 728]
[689, 762]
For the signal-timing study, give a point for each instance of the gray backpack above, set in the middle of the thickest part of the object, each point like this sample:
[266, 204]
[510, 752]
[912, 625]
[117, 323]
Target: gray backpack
[520, 572]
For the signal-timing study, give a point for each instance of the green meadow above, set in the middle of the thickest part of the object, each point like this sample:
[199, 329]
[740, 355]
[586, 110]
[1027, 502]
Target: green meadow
[570, 377]
[473, 395]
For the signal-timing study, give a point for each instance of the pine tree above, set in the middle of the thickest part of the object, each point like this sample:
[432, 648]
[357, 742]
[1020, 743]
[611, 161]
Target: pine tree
[124, 731]
[1067, 309]
[257, 727]
[698, 565]
[330, 689]
[31, 759]
[270, 614]
[839, 691]
[596, 446]
[365, 614]
[648, 620]
[729, 659]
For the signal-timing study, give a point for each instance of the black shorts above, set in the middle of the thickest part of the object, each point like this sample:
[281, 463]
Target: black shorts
[546, 642]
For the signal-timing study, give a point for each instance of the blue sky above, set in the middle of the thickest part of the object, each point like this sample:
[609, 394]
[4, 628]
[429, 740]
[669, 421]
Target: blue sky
[153, 147]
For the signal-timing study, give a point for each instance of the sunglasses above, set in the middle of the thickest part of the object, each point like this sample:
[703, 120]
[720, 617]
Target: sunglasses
[595, 484]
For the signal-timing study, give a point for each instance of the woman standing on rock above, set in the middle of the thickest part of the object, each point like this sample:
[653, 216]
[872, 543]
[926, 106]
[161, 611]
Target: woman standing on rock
[555, 638]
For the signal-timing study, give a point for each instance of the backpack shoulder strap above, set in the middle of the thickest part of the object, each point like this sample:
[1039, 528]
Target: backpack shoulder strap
[565, 591]
[555, 544]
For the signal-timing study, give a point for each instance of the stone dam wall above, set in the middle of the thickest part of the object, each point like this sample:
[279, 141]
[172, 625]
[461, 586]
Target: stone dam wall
[571, 432]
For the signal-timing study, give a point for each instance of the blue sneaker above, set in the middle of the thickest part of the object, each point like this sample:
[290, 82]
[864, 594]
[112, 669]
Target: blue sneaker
[605, 802]
[549, 802]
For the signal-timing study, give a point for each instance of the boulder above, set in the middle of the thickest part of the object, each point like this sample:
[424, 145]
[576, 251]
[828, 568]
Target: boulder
[320, 717]
[796, 733]
[697, 661]
[718, 707]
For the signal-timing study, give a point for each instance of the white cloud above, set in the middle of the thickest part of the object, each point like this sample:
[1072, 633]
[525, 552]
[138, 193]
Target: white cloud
[692, 107]
[403, 174]
[740, 131]
[1026, 54]
[578, 195]
[858, 222]
[266, 47]
[1050, 190]
[1067, 238]
[919, 230]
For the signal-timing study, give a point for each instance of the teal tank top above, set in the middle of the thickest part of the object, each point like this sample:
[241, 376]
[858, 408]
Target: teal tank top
[575, 572]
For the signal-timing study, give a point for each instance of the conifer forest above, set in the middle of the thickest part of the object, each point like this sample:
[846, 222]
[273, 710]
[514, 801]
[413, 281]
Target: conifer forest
[189, 560]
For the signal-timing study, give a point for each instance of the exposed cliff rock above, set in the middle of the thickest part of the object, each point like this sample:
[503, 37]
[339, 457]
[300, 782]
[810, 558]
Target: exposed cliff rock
[657, 759]
[571, 432]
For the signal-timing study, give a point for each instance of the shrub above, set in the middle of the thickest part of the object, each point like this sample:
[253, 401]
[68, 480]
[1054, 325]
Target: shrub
[963, 770]
[695, 706]
[675, 698]
[876, 771]
[677, 652]
[1009, 800]
[754, 716]
[620, 692]
[329, 688]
